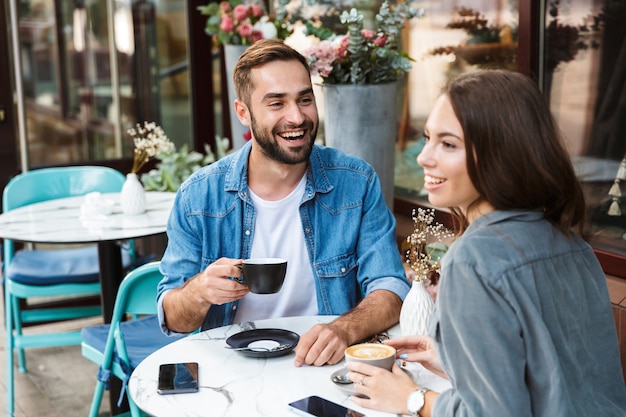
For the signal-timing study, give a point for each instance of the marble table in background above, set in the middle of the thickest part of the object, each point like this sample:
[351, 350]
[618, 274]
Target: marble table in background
[60, 221]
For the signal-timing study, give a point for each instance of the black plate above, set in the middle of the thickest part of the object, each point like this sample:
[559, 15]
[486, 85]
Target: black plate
[279, 336]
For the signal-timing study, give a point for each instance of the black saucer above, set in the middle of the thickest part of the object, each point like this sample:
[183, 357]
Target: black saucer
[274, 337]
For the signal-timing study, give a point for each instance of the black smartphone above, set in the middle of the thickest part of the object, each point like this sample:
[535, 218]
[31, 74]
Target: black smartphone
[315, 406]
[178, 378]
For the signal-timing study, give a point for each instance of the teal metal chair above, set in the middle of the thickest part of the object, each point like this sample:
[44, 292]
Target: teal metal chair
[35, 272]
[120, 346]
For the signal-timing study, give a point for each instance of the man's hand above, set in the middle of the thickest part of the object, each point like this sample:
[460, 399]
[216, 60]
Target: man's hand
[323, 344]
[186, 307]
[213, 286]
[326, 343]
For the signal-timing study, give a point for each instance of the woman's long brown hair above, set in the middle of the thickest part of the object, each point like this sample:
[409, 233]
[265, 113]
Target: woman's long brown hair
[515, 155]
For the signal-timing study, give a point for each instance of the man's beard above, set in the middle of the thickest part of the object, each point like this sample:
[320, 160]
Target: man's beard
[271, 147]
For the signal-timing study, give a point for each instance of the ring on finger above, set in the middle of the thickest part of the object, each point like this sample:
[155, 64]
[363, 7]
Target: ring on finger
[363, 379]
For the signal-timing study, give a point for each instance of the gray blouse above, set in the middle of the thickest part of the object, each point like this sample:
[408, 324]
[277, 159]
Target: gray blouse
[523, 324]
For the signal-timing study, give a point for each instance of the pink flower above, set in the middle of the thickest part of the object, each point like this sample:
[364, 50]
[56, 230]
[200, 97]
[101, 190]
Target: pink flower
[325, 54]
[343, 46]
[225, 7]
[325, 70]
[368, 33]
[240, 12]
[257, 11]
[245, 30]
[227, 24]
[256, 35]
[380, 41]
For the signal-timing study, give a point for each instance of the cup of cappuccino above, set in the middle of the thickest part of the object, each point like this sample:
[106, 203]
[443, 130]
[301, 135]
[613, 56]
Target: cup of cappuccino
[263, 275]
[376, 354]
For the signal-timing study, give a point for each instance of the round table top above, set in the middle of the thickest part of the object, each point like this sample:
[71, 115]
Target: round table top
[61, 220]
[232, 384]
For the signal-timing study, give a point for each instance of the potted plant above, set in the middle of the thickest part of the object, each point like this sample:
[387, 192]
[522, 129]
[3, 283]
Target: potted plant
[360, 65]
[235, 23]
[362, 55]
[175, 166]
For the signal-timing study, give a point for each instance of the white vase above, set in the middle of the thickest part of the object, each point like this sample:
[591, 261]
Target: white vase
[416, 310]
[231, 56]
[133, 196]
[362, 120]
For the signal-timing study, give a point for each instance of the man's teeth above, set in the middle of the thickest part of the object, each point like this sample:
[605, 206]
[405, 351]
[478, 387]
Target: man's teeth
[432, 180]
[292, 135]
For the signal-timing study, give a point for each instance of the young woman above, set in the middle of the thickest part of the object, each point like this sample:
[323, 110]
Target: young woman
[523, 323]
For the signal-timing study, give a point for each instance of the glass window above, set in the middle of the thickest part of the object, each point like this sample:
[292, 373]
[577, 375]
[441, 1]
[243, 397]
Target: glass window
[38, 53]
[80, 97]
[584, 78]
[453, 37]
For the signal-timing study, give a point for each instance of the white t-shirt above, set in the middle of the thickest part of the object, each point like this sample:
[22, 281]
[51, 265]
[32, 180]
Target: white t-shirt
[278, 234]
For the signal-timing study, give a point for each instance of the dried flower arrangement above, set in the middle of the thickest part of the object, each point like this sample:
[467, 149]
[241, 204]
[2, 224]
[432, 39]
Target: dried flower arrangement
[423, 256]
[426, 245]
[150, 140]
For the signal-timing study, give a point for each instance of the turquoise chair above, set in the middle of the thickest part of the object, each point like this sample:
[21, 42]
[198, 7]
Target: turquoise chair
[50, 273]
[120, 346]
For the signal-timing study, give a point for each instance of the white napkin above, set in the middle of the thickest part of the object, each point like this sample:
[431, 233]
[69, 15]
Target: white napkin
[95, 205]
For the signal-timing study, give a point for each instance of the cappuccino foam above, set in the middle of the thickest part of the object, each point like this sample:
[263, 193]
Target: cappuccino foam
[370, 351]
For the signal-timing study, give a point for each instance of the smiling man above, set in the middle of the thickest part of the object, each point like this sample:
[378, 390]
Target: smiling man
[282, 196]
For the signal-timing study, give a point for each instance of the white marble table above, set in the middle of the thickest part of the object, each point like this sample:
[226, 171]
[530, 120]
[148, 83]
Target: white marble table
[60, 222]
[235, 385]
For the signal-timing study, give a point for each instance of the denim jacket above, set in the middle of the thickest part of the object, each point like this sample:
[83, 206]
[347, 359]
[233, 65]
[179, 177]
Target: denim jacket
[349, 231]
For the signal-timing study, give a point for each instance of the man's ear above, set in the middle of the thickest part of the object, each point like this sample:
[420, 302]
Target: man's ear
[242, 112]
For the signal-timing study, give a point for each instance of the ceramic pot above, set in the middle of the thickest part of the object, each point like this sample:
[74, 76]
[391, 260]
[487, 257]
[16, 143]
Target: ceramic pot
[133, 196]
[362, 120]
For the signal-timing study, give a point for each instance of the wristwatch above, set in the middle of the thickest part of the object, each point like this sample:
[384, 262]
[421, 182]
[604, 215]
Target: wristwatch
[415, 402]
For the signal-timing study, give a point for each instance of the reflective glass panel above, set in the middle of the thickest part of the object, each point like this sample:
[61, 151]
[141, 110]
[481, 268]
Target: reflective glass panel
[584, 79]
[89, 74]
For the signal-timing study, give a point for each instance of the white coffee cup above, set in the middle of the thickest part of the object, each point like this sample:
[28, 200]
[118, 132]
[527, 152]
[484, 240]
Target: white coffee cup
[377, 354]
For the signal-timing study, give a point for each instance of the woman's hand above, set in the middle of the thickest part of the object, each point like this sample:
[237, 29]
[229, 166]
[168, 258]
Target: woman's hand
[419, 349]
[387, 391]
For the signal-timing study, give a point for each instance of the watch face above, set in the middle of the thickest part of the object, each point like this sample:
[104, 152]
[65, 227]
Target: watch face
[415, 401]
